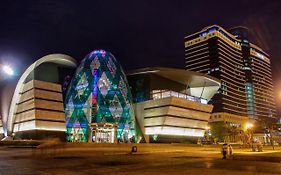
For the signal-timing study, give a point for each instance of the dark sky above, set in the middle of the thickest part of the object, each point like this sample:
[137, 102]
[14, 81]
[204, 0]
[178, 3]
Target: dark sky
[139, 33]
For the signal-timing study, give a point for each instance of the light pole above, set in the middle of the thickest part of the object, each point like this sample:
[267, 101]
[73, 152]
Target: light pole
[249, 127]
[7, 70]
[207, 132]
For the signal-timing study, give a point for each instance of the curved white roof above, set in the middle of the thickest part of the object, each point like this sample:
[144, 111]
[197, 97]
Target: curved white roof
[200, 85]
[59, 59]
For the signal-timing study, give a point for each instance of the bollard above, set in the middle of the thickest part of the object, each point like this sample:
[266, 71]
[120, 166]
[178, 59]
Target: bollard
[134, 149]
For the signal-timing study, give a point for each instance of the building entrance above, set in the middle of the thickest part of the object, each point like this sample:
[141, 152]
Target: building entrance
[102, 133]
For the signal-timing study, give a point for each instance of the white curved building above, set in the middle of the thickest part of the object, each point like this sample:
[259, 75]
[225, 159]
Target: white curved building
[171, 104]
[36, 109]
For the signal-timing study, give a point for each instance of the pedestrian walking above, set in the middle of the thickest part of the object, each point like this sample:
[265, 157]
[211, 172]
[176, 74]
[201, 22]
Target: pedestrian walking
[224, 150]
[229, 150]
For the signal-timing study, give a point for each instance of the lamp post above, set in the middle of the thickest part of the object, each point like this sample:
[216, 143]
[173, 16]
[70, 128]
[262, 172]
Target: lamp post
[7, 70]
[249, 127]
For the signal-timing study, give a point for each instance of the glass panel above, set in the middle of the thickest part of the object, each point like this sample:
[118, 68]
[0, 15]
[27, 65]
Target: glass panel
[99, 93]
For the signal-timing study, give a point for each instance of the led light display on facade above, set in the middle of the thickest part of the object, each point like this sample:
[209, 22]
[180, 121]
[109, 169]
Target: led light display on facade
[99, 93]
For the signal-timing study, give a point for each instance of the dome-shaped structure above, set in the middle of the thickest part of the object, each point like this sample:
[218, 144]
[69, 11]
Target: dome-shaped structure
[98, 104]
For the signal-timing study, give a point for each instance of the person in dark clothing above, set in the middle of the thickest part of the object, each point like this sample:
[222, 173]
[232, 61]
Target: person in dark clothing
[224, 150]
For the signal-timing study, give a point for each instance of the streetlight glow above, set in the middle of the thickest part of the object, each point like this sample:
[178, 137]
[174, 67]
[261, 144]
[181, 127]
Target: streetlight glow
[7, 70]
[249, 125]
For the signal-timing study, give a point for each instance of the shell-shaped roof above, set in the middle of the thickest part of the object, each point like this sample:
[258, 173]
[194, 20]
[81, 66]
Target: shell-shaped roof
[60, 59]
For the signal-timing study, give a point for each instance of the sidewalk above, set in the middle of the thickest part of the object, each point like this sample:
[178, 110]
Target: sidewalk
[206, 151]
[268, 154]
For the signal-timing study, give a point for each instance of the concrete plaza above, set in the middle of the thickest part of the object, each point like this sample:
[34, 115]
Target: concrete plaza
[78, 159]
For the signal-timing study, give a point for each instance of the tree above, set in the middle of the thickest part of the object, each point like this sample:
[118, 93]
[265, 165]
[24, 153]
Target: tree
[267, 124]
[219, 130]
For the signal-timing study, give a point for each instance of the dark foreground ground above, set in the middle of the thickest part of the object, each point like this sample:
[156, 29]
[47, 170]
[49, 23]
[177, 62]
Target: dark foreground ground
[112, 159]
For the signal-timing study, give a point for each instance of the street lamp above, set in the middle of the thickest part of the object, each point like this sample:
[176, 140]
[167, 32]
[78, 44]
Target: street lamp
[7, 70]
[249, 125]
[207, 133]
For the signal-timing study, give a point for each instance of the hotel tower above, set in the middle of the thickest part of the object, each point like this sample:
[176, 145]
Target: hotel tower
[244, 70]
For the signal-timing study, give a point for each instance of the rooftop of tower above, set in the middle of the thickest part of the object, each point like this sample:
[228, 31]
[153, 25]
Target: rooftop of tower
[213, 27]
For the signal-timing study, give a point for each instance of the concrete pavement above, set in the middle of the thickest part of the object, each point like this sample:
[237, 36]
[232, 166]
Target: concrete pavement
[108, 159]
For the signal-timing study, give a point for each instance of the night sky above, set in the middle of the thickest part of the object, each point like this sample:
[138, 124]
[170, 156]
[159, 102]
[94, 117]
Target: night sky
[138, 33]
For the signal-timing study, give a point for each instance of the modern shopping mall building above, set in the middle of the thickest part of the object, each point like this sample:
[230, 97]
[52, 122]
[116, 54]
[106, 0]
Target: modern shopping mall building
[95, 102]
[171, 104]
[36, 109]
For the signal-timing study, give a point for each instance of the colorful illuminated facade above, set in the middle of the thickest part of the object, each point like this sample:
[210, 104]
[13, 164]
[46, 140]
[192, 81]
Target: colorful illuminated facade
[98, 104]
[94, 103]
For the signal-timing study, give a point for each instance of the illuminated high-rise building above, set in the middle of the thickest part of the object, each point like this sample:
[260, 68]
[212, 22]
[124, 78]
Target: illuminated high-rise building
[243, 68]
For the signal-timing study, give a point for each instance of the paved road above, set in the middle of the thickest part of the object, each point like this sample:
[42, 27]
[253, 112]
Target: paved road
[15, 161]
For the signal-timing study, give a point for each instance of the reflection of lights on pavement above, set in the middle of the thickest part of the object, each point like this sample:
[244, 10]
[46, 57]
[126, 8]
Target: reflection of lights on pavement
[209, 165]
[7, 70]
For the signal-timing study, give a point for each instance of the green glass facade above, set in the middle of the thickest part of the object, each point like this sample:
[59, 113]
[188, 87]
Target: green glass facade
[99, 93]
